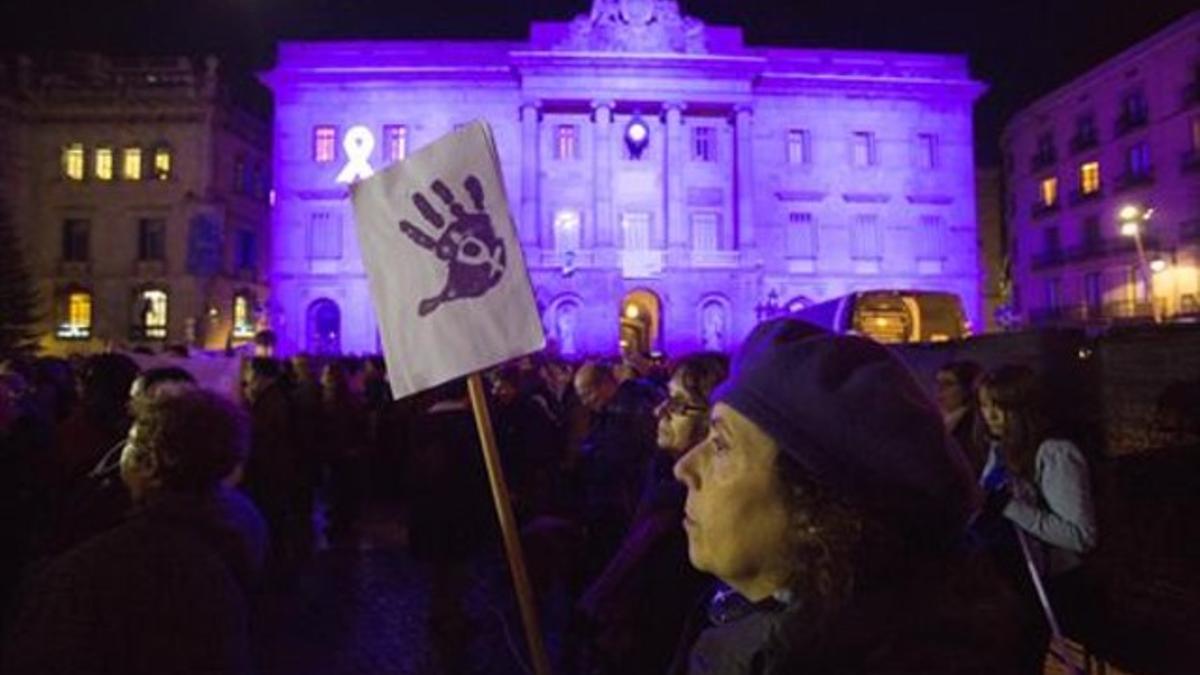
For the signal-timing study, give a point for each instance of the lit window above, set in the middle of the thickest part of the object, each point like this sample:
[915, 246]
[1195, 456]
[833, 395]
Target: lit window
[152, 314]
[324, 236]
[704, 144]
[566, 139]
[77, 322]
[801, 235]
[152, 234]
[72, 161]
[395, 142]
[1089, 178]
[705, 232]
[162, 163]
[75, 240]
[104, 163]
[243, 315]
[864, 149]
[799, 146]
[324, 144]
[566, 230]
[927, 151]
[1048, 191]
[131, 164]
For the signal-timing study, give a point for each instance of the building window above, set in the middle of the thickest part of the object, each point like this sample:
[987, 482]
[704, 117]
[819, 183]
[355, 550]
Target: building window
[1045, 153]
[799, 146]
[76, 235]
[706, 232]
[1051, 242]
[162, 163]
[395, 142]
[324, 236]
[1137, 160]
[72, 161]
[864, 151]
[801, 235]
[1085, 132]
[152, 314]
[104, 163]
[77, 317]
[636, 231]
[1092, 237]
[1134, 110]
[566, 141]
[152, 234]
[927, 151]
[131, 164]
[567, 224]
[864, 238]
[1053, 294]
[258, 182]
[930, 238]
[247, 251]
[1048, 192]
[324, 144]
[1092, 293]
[1089, 178]
[243, 315]
[704, 144]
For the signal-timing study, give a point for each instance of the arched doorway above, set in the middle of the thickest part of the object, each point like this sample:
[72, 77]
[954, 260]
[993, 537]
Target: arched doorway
[324, 327]
[641, 322]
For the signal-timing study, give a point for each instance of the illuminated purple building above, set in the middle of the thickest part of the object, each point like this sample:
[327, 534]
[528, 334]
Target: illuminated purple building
[673, 183]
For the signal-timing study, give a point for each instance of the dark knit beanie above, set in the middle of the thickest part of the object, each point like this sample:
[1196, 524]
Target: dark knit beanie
[856, 420]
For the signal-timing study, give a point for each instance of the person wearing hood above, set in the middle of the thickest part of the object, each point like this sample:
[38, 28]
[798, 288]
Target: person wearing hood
[167, 591]
[830, 502]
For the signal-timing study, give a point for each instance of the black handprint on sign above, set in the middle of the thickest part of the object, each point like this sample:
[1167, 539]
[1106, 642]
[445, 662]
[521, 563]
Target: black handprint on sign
[469, 245]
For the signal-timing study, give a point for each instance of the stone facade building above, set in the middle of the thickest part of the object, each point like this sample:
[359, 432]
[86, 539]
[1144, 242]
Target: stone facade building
[1122, 136]
[140, 190]
[671, 184]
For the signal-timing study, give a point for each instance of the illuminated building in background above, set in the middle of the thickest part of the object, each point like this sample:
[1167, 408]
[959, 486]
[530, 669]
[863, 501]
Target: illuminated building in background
[666, 178]
[1124, 134]
[139, 189]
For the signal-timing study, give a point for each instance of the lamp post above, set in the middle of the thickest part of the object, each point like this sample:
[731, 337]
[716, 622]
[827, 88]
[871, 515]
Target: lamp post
[1132, 218]
[768, 309]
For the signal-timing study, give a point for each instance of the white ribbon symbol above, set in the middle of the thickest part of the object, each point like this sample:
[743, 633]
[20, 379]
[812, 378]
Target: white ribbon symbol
[358, 144]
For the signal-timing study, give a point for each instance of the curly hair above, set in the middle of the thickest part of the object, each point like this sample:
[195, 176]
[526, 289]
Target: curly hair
[196, 436]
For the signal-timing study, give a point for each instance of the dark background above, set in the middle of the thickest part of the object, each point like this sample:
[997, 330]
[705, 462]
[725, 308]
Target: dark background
[1020, 48]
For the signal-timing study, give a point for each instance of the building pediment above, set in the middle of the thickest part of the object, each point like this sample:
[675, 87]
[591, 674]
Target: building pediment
[635, 26]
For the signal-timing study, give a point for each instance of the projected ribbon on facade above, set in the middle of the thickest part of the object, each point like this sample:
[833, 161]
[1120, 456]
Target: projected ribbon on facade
[359, 143]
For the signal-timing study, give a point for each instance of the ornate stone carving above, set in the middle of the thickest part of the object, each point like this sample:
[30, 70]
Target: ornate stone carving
[645, 26]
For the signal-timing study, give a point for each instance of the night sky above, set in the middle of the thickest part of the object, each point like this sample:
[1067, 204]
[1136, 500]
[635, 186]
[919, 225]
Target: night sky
[1021, 48]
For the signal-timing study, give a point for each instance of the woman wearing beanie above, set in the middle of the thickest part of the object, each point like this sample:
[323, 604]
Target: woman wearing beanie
[1041, 485]
[829, 501]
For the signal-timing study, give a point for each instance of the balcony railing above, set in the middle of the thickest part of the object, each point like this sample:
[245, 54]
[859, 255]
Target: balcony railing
[1190, 161]
[1124, 310]
[1084, 141]
[1040, 209]
[1130, 179]
[1128, 122]
[1100, 249]
[1079, 196]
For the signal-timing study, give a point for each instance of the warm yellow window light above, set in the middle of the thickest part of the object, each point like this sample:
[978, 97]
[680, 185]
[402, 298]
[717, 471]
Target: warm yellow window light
[1089, 178]
[72, 161]
[1049, 191]
[162, 163]
[104, 163]
[131, 165]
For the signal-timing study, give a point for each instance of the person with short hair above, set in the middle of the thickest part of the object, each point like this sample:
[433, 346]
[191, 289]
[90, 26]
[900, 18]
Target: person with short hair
[955, 395]
[167, 590]
[828, 501]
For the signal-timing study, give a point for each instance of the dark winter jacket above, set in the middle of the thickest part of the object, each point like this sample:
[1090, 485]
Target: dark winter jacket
[164, 592]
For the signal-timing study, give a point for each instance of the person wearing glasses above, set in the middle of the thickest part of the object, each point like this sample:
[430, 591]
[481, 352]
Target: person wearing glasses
[637, 606]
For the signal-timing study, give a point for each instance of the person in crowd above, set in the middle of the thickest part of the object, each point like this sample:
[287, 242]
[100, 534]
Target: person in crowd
[450, 516]
[530, 440]
[955, 395]
[1040, 484]
[638, 604]
[828, 501]
[167, 590]
[614, 455]
[344, 431]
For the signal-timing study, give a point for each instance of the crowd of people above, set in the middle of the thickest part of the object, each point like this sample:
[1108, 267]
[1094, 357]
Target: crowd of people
[810, 507]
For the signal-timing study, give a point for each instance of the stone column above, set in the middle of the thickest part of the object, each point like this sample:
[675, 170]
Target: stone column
[743, 176]
[529, 228]
[599, 232]
[676, 155]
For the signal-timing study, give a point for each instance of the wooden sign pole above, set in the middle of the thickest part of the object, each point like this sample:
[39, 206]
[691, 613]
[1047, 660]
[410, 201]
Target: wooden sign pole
[508, 526]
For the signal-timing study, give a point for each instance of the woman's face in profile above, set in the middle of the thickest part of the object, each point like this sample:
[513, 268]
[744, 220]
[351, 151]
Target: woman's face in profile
[736, 516]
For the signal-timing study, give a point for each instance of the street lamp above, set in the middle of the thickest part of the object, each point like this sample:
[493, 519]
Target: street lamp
[768, 309]
[1132, 218]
